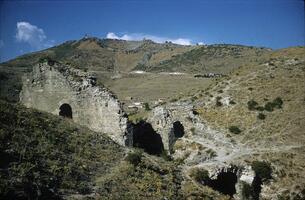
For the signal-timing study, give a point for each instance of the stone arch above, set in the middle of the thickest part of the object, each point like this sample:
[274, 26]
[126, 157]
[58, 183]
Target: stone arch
[178, 129]
[65, 110]
[225, 182]
[145, 137]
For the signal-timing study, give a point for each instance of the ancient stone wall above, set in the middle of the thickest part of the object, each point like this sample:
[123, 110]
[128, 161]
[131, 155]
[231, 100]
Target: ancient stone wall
[48, 87]
[162, 119]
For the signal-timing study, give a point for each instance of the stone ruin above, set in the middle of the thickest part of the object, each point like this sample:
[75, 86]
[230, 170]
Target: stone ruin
[61, 90]
[72, 93]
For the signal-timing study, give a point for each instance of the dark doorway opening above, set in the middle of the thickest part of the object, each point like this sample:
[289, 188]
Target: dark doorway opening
[145, 137]
[257, 187]
[225, 183]
[178, 129]
[65, 110]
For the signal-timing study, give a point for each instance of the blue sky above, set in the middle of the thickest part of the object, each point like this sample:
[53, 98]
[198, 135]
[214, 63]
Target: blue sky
[27, 26]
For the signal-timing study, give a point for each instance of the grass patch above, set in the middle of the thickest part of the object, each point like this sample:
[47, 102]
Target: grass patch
[135, 157]
[200, 175]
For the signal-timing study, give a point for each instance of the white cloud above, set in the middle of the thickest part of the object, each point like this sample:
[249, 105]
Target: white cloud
[32, 35]
[200, 43]
[157, 39]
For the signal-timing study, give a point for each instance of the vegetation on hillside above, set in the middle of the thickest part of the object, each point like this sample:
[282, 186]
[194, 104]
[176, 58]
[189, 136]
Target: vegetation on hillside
[49, 157]
[41, 155]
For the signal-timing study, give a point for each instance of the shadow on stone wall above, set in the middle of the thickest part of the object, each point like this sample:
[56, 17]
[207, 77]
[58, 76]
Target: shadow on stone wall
[145, 137]
[178, 129]
[224, 183]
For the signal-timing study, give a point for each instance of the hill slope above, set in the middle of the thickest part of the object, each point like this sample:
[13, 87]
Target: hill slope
[49, 157]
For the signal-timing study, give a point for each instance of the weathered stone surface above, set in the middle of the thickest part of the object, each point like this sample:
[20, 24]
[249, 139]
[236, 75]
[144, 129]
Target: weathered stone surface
[162, 119]
[48, 87]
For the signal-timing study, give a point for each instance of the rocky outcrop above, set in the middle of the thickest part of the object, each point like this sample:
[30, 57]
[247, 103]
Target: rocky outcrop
[51, 85]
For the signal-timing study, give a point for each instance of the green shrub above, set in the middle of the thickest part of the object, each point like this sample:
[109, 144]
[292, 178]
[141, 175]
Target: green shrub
[261, 116]
[262, 169]
[200, 175]
[276, 103]
[47, 59]
[146, 107]
[134, 157]
[234, 129]
[252, 105]
[269, 106]
[260, 108]
[218, 103]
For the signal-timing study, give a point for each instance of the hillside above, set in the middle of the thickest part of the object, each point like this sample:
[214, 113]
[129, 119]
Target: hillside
[49, 157]
[239, 109]
[260, 109]
[114, 61]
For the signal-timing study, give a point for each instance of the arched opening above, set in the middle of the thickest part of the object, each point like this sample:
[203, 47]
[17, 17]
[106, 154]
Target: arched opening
[178, 129]
[224, 183]
[65, 110]
[145, 137]
[257, 187]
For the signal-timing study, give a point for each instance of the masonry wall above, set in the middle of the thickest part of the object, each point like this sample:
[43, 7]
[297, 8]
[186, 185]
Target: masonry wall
[48, 87]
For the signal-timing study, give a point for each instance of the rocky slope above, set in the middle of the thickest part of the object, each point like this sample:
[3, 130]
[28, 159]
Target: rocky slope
[254, 114]
[239, 136]
[49, 157]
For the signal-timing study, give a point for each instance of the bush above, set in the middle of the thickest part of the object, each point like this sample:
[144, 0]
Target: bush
[146, 107]
[134, 157]
[234, 129]
[200, 175]
[261, 116]
[262, 169]
[260, 108]
[269, 106]
[252, 105]
[47, 59]
[276, 103]
[218, 103]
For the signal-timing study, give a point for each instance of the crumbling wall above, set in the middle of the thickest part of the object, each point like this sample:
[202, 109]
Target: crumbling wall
[163, 118]
[48, 87]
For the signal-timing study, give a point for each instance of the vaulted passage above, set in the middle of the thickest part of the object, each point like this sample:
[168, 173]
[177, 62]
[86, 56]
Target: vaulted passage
[225, 183]
[145, 137]
[65, 110]
[178, 129]
[257, 187]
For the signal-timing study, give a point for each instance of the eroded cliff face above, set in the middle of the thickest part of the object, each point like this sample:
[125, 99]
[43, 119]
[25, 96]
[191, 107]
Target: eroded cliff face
[60, 90]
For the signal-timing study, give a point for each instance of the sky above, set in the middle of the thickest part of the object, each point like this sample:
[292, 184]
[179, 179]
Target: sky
[28, 26]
